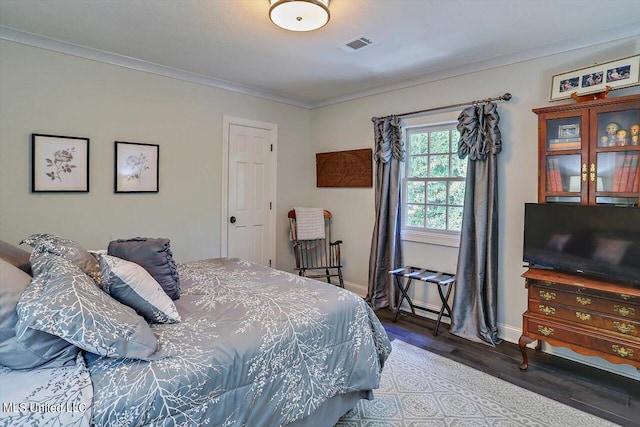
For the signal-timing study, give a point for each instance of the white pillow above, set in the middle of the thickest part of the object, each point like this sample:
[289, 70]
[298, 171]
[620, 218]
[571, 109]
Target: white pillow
[132, 285]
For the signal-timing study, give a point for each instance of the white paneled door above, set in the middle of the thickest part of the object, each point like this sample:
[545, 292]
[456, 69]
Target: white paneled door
[251, 188]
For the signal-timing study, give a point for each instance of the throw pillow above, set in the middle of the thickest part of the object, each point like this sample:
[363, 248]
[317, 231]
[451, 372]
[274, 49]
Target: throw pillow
[132, 285]
[63, 301]
[65, 248]
[155, 256]
[37, 349]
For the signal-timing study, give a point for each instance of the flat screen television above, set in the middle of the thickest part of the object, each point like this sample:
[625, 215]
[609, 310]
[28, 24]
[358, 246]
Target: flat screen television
[600, 241]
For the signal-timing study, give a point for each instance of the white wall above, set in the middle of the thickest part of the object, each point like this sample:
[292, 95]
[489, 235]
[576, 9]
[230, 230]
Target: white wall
[348, 126]
[53, 93]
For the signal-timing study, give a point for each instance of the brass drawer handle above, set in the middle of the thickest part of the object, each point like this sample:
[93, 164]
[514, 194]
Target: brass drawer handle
[547, 296]
[624, 328]
[583, 301]
[546, 310]
[625, 297]
[621, 351]
[624, 311]
[545, 331]
[583, 316]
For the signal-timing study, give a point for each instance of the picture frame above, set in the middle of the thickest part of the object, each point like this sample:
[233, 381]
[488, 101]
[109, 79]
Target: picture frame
[616, 74]
[569, 131]
[59, 164]
[136, 167]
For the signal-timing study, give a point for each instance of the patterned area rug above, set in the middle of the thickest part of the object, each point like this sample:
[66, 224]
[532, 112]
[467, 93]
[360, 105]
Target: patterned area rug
[419, 388]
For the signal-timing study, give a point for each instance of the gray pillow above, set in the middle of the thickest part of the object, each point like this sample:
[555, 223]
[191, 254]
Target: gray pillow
[63, 301]
[15, 256]
[37, 348]
[155, 256]
[132, 285]
[65, 248]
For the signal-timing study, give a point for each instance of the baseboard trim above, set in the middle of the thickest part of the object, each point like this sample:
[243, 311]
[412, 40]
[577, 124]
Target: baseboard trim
[356, 288]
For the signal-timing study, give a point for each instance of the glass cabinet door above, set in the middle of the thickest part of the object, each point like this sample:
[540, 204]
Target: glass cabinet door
[615, 169]
[565, 179]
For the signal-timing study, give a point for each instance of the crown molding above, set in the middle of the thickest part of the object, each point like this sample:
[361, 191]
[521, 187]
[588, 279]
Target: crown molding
[626, 32]
[35, 40]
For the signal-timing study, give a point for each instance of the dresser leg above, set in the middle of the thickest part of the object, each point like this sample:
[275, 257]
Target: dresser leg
[522, 343]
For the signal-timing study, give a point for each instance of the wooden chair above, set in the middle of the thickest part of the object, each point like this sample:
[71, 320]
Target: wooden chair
[320, 258]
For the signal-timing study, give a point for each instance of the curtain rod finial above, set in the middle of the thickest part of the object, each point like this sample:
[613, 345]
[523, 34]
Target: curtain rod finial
[506, 96]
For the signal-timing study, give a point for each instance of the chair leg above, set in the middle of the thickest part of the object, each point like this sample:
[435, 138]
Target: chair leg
[340, 277]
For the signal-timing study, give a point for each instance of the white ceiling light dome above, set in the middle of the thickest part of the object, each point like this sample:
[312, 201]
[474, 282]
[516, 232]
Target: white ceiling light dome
[299, 15]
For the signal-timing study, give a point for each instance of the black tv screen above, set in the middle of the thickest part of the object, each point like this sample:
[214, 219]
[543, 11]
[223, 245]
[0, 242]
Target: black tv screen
[600, 241]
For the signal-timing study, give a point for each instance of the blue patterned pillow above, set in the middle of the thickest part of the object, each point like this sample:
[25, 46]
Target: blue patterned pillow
[67, 249]
[132, 285]
[63, 301]
[37, 348]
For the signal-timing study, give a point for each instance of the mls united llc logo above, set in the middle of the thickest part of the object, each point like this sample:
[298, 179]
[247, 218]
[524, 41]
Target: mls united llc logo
[24, 407]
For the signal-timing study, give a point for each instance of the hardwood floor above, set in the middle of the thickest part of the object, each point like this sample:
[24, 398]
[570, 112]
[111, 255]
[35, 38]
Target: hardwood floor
[601, 393]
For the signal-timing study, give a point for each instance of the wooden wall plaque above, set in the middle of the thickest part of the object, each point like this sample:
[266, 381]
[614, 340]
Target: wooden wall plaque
[352, 168]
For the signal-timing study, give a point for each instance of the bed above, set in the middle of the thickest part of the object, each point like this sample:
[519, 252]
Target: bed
[254, 347]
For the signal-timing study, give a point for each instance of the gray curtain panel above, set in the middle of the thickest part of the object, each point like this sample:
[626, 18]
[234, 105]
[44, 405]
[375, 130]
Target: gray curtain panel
[386, 247]
[475, 302]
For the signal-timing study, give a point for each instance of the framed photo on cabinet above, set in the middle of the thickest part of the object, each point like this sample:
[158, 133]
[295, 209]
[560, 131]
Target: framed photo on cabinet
[59, 164]
[136, 167]
[616, 74]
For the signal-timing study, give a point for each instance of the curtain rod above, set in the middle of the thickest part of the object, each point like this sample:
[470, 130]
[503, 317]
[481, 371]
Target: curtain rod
[505, 97]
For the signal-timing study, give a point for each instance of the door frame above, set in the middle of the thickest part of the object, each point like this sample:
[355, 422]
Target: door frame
[227, 121]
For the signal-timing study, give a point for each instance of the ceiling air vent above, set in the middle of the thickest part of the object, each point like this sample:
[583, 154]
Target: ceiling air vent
[357, 44]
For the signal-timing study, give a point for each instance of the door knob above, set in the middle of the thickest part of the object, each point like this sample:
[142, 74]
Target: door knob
[232, 219]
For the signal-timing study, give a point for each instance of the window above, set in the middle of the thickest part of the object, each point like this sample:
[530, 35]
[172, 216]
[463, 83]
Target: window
[433, 185]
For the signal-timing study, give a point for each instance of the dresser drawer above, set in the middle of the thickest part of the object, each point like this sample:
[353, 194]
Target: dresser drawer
[628, 295]
[583, 317]
[623, 308]
[611, 348]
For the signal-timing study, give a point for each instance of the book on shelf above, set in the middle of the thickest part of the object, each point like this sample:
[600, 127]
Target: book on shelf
[554, 176]
[558, 176]
[633, 173]
[626, 172]
[618, 170]
[626, 168]
[564, 143]
[558, 140]
[550, 178]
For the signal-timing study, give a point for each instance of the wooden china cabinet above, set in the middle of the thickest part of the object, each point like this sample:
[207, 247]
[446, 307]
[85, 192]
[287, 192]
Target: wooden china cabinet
[588, 154]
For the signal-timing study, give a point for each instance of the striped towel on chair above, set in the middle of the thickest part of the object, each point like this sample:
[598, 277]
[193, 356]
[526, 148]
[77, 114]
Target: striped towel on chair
[309, 223]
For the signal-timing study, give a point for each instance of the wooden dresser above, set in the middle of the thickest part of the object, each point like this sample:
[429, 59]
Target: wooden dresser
[591, 317]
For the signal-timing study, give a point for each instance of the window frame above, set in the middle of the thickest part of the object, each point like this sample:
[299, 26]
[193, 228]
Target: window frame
[423, 234]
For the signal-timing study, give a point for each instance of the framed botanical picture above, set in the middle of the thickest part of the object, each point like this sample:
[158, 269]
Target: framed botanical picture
[136, 167]
[623, 72]
[59, 163]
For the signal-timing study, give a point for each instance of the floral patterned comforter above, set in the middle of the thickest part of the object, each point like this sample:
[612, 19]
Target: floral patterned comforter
[256, 347]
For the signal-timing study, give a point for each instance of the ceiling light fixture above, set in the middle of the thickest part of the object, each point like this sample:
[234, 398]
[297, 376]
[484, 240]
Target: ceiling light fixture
[299, 15]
